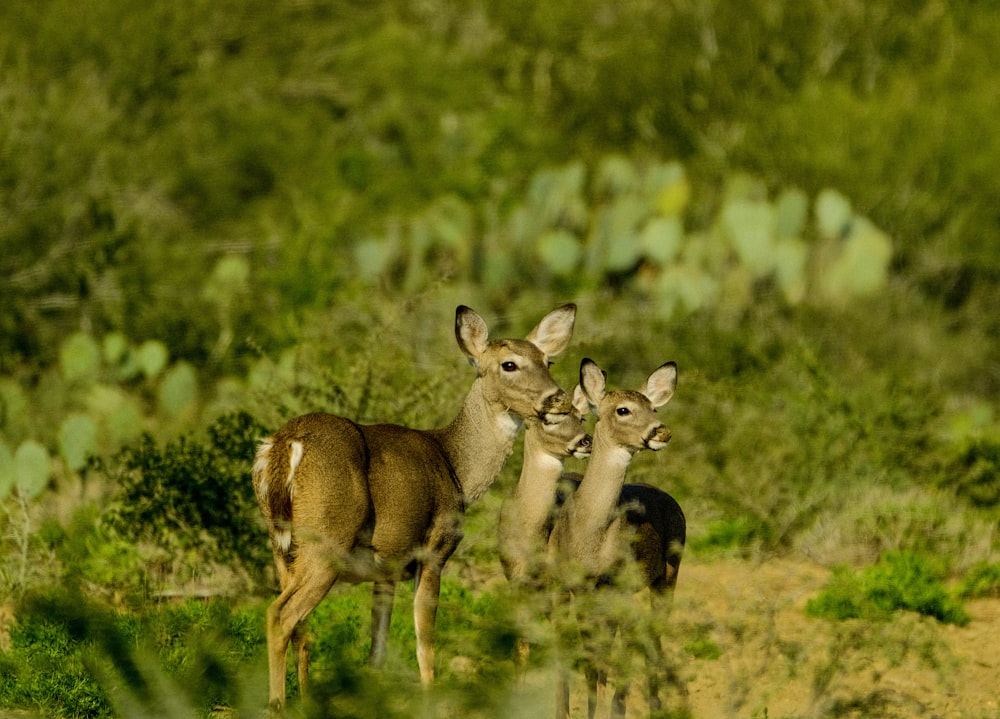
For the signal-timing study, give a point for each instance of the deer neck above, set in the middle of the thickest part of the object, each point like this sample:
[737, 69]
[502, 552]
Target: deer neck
[478, 442]
[535, 492]
[595, 503]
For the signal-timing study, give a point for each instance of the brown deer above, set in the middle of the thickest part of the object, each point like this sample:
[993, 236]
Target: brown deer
[381, 503]
[526, 515]
[604, 519]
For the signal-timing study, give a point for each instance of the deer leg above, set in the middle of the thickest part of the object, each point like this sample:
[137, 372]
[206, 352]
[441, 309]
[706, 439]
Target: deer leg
[383, 594]
[618, 701]
[443, 538]
[301, 641]
[286, 613]
[425, 604]
[661, 669]
[593, 677]
[565, 621]
[522, 650]
[592, 631]
[562, 696]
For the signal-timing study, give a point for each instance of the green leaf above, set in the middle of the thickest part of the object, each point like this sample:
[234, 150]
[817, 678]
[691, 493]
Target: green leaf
[6, 471]
[373, 256]
[229, 278]
[32, 468]
[670, 188]
[124, 422]
[619, 233]
[178, 391]
[684, 288]
[661, 238]
[79, 357]
[152, 357]
[862, 266]
[615, 175]
[13, 401]
[790, 257]
[791, 212]
[833, 214]
[113, 347]
[77, 440]
[749, 225]
[450, 219]
[556, 195]
[560, 251]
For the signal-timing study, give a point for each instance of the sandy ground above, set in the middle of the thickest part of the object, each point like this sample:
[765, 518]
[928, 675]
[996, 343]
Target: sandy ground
[777, 662]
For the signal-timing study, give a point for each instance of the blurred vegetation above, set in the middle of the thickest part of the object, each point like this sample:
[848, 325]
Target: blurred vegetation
[189, 496]
[900, 581]
[218, 215]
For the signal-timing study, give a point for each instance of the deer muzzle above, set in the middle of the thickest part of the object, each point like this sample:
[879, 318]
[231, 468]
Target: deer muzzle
[583, 448]
[555, 408]
[657, 438]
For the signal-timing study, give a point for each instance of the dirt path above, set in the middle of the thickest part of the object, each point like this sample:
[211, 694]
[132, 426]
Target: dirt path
[778, 663]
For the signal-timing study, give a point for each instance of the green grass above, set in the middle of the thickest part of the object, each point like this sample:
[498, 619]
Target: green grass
[900, 581]
[982, 580]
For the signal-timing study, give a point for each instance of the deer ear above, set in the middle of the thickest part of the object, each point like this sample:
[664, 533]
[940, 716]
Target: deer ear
[471, 333]
[553, 333]
[580, 403]
[593, 380]
[660, 385]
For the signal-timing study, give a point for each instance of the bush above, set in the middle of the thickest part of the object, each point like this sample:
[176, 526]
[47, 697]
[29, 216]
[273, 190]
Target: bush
[900, 581]
[194, 494]
[73, 657]
[982, 580]
[974, 472]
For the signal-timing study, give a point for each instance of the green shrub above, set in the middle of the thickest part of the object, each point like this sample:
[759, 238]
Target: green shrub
[982, 580]
[974, 472]
[900, 581]
[48, 660]
[732, 533]
[73, 657]
[194, 493]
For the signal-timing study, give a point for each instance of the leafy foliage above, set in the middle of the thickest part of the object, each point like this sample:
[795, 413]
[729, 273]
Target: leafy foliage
[901, 580]
[982, 580]
[73, 657]
[975, 472]
[378, 132]
[194, 494]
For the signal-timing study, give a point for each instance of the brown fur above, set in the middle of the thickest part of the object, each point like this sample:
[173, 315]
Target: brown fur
[603, 519]
[382, 502]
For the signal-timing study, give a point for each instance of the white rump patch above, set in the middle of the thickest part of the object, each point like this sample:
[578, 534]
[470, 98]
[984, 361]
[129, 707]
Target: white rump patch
[283, 539]
[293, 462]
[259, 471]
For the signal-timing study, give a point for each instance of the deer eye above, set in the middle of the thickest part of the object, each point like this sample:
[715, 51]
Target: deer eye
[508, 366]
[623, 411]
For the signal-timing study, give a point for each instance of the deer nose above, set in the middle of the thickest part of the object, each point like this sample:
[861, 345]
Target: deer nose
[555, 408]
[658, 437]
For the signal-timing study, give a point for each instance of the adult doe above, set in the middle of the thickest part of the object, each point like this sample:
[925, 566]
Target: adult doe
[381, 503]
[605, 520]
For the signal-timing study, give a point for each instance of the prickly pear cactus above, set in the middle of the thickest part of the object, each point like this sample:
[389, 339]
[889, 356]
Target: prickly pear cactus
[32, 469]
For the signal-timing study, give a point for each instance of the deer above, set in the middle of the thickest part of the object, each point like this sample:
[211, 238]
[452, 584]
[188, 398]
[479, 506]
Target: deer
[383, 503]
[605, 520]
[526, 515]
